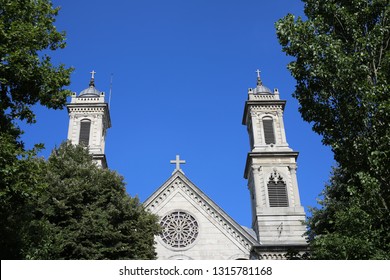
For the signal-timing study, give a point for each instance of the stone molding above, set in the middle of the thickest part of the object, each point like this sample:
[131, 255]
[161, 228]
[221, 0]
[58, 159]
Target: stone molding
[280, 252]
[263, 97]
[179, 181]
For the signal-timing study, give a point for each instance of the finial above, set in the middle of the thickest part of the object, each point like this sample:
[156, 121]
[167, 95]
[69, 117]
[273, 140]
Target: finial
[92, 82]
[259, 82]
[93, 74]
[177, 161]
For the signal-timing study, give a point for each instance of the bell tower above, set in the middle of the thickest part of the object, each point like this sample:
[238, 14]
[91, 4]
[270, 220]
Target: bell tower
[89, 119]
[277, 214]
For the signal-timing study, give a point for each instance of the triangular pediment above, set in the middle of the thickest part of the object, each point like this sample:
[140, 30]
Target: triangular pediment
[179, 195]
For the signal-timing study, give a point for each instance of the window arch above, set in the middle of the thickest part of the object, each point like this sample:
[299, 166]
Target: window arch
[268, 127]
[85, 128]
[277, 191]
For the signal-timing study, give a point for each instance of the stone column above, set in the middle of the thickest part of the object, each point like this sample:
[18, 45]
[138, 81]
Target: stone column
[283, 132]
[293, 172]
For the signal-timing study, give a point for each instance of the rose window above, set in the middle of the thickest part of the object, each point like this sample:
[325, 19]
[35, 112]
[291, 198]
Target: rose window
[179, 229]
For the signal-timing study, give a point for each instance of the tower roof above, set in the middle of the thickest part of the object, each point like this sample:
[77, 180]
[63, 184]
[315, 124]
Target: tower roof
[260, 88]
[91, 91]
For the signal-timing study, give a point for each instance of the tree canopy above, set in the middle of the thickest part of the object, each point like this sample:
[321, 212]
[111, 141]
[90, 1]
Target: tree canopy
[65, 207]
[87, 213]
[20, 187]
[69, 208]
[342, 69]
[27, 75]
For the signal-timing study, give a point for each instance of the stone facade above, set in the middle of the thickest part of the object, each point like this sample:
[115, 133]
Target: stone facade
[90, 107]
[194, 227]
[198, 228]
[277, 214]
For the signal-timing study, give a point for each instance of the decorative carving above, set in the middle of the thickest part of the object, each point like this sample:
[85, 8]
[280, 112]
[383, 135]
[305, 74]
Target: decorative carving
[293, 168]
[277, 190]
[202, 203]
[272, 257]
[276, 177]
[253, 112]
[265, 108]
[265, 113]
[180, 229]
[262, 96]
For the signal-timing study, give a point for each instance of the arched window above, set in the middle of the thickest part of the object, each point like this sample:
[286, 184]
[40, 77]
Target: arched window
[277, 191]
[85, 128]
[268, 126]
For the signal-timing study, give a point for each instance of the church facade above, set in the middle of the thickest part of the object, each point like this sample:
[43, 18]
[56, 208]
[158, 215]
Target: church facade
[193, 226]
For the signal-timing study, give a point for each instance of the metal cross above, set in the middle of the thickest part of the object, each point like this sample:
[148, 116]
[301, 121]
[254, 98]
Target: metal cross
[177, 161]
[93, 74]
[258, 73]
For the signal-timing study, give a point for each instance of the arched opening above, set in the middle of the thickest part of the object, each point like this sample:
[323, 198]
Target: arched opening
[268, 127]
[277, 191]
[85, 128]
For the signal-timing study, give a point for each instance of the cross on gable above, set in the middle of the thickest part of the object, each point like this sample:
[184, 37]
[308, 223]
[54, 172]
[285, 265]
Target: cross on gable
[177, 161]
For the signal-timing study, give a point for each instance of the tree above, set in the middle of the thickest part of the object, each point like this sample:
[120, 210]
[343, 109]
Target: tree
[342, 68]
[20, 178]
[88, 214]
[27, 75]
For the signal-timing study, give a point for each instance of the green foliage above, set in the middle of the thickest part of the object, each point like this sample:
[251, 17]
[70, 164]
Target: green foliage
[88, 214]
[68, 208]
[20, 187]
[65, 208]
[27, 75]
[353, 222]
[342, 68]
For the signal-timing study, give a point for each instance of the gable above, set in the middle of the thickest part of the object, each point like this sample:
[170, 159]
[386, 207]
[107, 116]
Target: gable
[194, 226]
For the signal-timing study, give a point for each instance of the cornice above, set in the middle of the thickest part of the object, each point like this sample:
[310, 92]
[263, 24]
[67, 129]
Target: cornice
[90, 107]
[179, 181]
[261, 103]
[267, 154]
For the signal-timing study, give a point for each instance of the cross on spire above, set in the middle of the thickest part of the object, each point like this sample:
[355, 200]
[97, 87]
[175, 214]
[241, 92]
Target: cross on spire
[92, 81]
[93, 74]
[259, 82]
[177, 161]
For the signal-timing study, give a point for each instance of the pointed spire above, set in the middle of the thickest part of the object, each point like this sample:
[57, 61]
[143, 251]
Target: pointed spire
[259, 82]
[92, 81]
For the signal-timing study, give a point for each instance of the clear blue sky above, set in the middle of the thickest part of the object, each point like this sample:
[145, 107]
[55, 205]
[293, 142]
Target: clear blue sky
[181, 70]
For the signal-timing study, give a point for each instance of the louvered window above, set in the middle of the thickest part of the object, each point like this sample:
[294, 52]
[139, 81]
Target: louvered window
[85, 127]
[277, 194]
[269, 135]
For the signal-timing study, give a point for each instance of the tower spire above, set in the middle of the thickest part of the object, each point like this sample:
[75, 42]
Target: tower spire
[92, 81]
[277, 213]
[89, 119]
[259, 82]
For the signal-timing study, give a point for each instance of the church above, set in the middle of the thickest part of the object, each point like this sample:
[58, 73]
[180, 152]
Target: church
[193, 226]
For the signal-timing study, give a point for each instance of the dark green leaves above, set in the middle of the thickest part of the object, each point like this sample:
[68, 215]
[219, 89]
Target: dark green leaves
[89, 214]
[68, 208]
[27, 32]
[342, 59]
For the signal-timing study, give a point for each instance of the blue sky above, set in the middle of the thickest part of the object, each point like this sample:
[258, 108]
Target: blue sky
[181, 70]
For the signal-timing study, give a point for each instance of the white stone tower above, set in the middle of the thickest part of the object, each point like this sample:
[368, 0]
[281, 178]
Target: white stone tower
[277, 214]
[89, 119]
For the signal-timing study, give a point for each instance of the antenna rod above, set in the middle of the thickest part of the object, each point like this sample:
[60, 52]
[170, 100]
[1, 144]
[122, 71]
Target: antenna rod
[109, 96]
